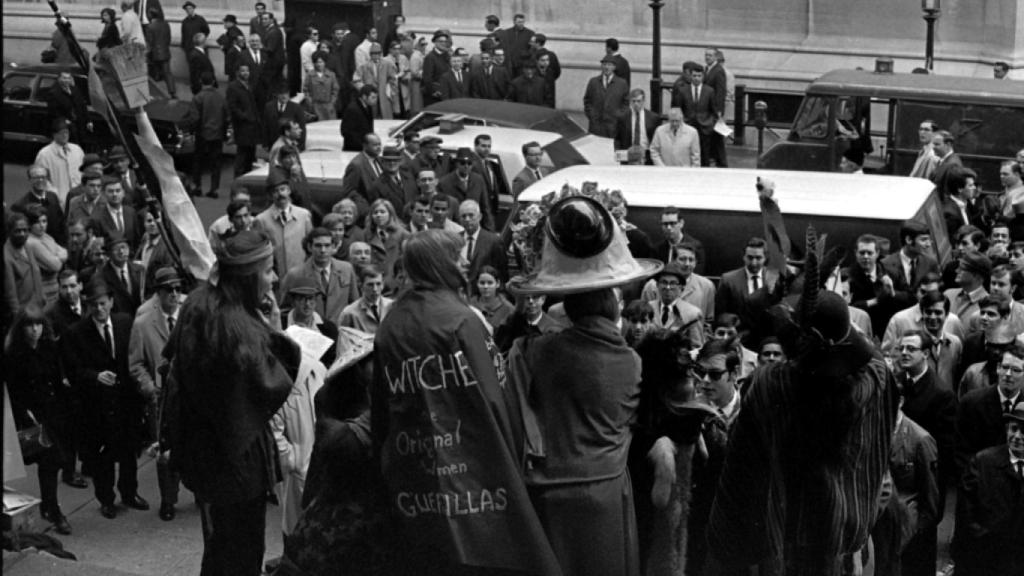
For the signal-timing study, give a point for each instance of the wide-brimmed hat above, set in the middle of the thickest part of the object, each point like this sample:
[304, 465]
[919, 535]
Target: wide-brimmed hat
[166, 277]
[116, 153]
[275, 178]
[464, 154]
[584, 250]
[672, 269]
[353, 346]
[304, 286]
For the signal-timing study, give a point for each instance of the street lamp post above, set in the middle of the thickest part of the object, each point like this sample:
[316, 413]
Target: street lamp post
[931, 10]
[656, 6]
[760, 122]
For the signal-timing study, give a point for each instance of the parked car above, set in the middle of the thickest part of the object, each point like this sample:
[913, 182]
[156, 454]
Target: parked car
[27, 120]
[721, 207]
[325, 169]
[326, 135]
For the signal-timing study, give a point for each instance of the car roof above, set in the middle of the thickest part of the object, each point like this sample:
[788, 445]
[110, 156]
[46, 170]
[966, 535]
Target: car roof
[509, 140]
[732, 190]
[919, 87]
[512, 114]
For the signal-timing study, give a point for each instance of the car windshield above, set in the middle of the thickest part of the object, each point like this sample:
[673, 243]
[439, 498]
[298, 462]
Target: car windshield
[812, 121]
[562, 154]
[558, 123]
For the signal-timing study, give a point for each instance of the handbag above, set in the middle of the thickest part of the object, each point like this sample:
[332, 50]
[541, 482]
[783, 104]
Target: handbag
[34, 442]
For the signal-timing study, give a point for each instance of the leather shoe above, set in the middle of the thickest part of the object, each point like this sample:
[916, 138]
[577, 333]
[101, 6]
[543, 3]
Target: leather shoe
[59, 521]
[76, 481]
[212, 194]
[135, 501]
[167, 512]
[108, 511]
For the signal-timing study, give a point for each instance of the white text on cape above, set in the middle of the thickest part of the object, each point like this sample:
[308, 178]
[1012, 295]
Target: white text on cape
[430, 373]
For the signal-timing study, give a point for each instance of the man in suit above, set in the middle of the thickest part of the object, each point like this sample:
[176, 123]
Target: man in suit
[942, 146]
[245, 118]
[335, 279]
[672, 227]
[744, 291]
[533, 171]
[64, 101]
[369, 310]
[972, 275]
[357, 119]
[605, 99]
[392, 185]
[958, 206]
[122, 276]
[199, 64]
[549, 74]
[990, 519]
[117, 219]
[871, 289]
[674, 313]
[192, 24]
[483, 166]
[435, 64]
[97, 360]
[209, 112]
[464, 184]
[483, 247]
[256, 22]
[912, 262]
[488, 81]
[634, 131]
[256, 58]
[39, 181]
[528, 319]
[281, 107]
[454, 83]
[273, 42]
[698, 106]
[158, 39]
[924, 166]
[529, 87]
[135, 192]
[430, 158]
[928, 400]
[611, 49]
[363, 172]
[715, 78]
[516, 41]
[979, 412]
[697, 289]
[150, 332]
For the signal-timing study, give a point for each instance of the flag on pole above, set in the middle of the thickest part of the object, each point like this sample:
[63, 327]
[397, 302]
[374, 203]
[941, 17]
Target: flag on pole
[98, 97]
[182, 219]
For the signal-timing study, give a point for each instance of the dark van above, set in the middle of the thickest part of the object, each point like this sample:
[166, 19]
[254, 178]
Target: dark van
[882, 113]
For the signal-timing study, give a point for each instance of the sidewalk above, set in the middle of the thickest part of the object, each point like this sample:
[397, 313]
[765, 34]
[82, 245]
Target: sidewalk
[135, 542]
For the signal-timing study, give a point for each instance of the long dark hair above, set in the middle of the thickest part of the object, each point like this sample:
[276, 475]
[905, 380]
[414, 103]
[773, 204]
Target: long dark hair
[430, 260]
[30, 314]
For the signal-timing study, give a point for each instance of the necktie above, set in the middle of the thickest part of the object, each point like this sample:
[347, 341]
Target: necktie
[108, 339]
[325, 279]
[77, 310]
[280, 109]
[373, 313]
[666, 312]
[124, 280]
[1020, 468]
[458, 77]
[636, 129]
[376, 167]
[756, 281]
[913, 271]
[536, 174]
[694, 94]
[469, 247]
[1007, 406]
[64, 148]
[170, 324]
[120, 222]
[605, 82]
[257, 54]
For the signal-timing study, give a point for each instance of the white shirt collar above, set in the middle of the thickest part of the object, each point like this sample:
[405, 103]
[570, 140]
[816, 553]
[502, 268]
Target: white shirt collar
[732, 406]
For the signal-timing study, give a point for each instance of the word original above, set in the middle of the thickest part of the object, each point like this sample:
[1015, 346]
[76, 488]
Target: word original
[416, 442]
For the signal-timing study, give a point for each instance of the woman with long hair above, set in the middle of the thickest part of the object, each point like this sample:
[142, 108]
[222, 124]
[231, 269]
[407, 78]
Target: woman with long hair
[110, 36]
[34, 379]
[489, 298]
[385, 233]
[446, 428]
[50, 255]
[229, 373]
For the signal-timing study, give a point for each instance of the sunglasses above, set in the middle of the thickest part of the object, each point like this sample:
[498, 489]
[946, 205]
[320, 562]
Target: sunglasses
[701, 372]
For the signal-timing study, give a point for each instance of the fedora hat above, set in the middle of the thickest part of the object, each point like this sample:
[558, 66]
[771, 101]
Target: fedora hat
[116, 153]
[88, 160]
[464, 155]
[96, 288]
[166, 277]
[1015, 414]
[584, 250]
[391, 153]
[114, 239]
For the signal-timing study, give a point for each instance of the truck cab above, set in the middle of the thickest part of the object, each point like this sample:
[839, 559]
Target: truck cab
[881, 113]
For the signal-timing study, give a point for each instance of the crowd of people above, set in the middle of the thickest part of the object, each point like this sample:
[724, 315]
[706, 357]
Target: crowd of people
[458, 408]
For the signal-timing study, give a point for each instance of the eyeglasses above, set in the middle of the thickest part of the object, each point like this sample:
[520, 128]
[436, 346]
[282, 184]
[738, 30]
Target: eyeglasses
[701, 372]
[908, 348]
[668, 224]
[1011, 369]
[669, 283]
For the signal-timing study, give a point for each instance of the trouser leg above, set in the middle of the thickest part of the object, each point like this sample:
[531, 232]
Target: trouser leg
[244, 157]
[128, 472]
[102, 466]
[213, 152]
[233, 538]
[168, 480]
[49, 472]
